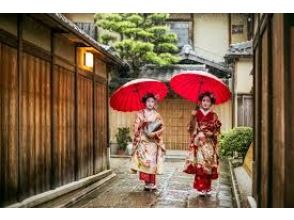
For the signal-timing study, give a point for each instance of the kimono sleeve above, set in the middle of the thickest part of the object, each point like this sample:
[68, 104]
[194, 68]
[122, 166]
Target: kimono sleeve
[160, 131]
[136, 128]
[217, 124]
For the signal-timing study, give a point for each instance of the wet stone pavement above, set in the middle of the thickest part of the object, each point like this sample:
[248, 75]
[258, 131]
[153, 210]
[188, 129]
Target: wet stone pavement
[174, 190]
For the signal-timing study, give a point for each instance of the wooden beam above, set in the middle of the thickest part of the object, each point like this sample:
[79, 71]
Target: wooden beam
[37, 51]
[85, 73]
[100, 79]
[8, 38]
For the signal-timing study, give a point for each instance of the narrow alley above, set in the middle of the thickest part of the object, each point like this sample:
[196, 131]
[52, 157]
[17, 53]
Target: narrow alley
[174, 190]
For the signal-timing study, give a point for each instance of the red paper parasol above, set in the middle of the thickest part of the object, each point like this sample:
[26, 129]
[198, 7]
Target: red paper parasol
[128, 97]
[190, 85]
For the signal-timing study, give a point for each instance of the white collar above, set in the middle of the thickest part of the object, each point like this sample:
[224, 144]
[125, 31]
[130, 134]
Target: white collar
[205, 112]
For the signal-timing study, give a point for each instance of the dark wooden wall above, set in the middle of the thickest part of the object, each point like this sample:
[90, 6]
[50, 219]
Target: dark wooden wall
[53, 119]
[64, 125]
[34, 126]
[8, 120]
[101, 128]
[274, 107]
[85, 127]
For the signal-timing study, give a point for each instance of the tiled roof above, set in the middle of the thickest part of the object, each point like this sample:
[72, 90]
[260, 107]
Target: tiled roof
[165, 73]
[187, 53]
[240, 49]
[58, 17]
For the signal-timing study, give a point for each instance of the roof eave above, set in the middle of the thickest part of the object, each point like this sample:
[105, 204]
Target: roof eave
[87, 39]
[238, 56]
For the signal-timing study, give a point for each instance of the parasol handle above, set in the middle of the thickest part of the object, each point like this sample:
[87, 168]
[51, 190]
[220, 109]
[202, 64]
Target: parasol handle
[138, 93]
[139, 98]
[199, 90]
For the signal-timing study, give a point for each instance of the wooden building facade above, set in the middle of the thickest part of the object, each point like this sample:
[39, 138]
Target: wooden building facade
[176, 113]
[53, 105]
[273, 176]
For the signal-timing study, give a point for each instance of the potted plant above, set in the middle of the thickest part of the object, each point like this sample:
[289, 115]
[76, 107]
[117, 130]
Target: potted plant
[123, 138]
[113, 147]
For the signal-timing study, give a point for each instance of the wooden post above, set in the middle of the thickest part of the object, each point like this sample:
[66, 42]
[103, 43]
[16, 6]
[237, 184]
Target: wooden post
[270, 111]
[288, 100]
[230, 28]
[108, 69]
[259, 140]
[94, 118]
[193, 29]
[253, 185]
[76, 163]
[18, 96]
[233, 95]
[52, 103]
[257, 127]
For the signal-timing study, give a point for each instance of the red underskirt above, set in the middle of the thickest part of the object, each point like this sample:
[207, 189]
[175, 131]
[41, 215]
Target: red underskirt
[148, 178]
[202, 181]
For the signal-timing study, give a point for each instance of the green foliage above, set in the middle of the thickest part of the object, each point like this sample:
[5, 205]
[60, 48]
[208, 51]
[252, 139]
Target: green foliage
[237, 139]
[123, 137]
[166, 48]
[107, 38]
[144, 38]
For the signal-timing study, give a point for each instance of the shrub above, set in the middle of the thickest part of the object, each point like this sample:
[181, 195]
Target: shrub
[123, 137]
[237, 139]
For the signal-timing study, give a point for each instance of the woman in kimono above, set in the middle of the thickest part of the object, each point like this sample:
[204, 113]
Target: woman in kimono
[148, 146]
[202, 156]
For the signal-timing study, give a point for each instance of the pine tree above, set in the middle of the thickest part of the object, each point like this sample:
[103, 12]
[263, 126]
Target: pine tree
[139, 38]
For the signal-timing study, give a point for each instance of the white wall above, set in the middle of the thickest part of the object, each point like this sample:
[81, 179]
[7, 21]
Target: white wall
[81, 17]
[211, 35]
[239, 19]
[243, 79]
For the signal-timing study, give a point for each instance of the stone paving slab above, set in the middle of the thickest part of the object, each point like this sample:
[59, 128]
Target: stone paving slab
[174, 190]
[244, 183]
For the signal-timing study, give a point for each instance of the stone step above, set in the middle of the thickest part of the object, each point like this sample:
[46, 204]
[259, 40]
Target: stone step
[55, 197]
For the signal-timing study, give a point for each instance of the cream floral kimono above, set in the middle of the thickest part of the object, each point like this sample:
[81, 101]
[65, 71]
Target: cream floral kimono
[148, 154]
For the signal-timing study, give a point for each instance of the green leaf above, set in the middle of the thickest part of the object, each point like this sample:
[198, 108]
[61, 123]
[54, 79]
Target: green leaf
[166, 47]
[144, 38]
[158, 30]
[107, 38]
[136, 19]
[237, 139]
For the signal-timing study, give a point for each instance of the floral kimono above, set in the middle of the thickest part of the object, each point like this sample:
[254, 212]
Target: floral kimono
[202, 155]
[148, 152]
